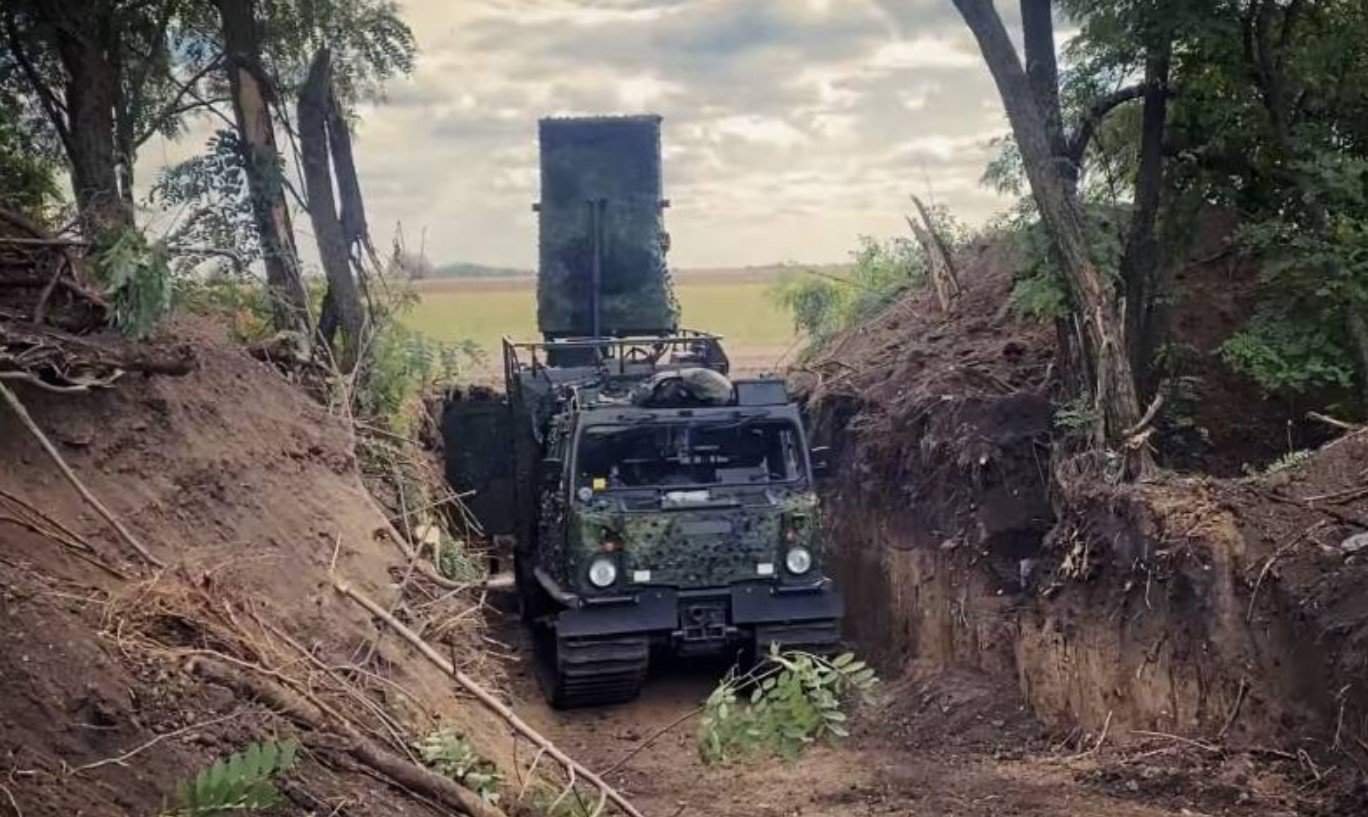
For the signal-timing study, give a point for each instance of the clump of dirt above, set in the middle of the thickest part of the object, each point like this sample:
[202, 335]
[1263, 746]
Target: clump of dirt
[957, 711]
[248, 491]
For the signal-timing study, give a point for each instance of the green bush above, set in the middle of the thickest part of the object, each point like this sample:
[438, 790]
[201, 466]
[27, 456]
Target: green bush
[449, 753]
[1314, 276]
[1284, 354]
[823, 306]
[400, 365]
[1040, 291]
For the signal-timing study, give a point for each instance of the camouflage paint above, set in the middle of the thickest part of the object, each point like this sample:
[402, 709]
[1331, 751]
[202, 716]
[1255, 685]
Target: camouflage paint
[695, 548]
[616, 160]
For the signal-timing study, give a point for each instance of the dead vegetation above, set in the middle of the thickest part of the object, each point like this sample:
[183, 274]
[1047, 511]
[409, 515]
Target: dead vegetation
[193, 533]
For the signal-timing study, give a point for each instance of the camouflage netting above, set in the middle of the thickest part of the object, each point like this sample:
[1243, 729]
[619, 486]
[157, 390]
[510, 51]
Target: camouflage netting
[616, 160]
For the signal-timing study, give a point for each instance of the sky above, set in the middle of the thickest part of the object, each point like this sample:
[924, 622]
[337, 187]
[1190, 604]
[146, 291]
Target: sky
[791, 127]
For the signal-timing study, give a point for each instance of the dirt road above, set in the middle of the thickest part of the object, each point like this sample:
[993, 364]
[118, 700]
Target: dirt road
[963, 749]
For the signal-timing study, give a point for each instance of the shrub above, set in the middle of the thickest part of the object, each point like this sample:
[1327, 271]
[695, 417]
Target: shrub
[1284, 354]
[450, 754]
[824, 305]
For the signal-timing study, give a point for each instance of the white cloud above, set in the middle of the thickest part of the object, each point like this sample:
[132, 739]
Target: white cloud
[790, 127]
[922, 52]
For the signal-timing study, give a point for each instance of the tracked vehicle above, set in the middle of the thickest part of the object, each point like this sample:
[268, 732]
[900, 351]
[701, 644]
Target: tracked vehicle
[653, 503]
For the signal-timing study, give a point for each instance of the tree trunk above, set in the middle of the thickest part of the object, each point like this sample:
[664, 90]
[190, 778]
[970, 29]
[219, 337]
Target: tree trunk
[251, 93]
[1358, 336]
[348, 182]
[91, 90]
[1140, 263]
[1114, 389]
[344, 298]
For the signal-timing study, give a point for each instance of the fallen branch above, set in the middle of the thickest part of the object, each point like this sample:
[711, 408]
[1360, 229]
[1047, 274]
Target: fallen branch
[1331, 421]
[417, 778]
[1196, 744]
[75, 481]
[180, 360]
[654, 736]
[485, 697]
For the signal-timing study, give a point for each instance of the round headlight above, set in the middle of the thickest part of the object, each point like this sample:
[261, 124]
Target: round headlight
[602, 572]
[798, 560]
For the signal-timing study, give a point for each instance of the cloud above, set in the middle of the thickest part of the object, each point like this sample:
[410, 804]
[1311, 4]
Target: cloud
[790, 126]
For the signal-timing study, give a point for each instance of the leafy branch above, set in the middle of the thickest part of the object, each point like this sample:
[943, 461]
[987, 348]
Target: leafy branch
[795, 700]
[242, 782]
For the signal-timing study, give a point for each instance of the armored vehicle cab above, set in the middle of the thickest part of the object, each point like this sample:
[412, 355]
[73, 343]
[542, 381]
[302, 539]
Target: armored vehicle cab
[653, 503]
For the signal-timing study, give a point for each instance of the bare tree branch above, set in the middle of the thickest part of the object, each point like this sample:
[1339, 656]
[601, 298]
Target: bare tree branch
[1102, 106]
[175, 107]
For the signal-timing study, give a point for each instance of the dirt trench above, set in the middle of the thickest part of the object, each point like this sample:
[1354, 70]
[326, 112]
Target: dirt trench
[956, 743]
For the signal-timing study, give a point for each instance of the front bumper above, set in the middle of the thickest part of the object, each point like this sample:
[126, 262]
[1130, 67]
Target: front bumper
[667, 611]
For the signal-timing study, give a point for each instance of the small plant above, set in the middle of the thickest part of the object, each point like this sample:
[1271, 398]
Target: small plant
[137, 279]
[239, 783]
[401, 365]
[1078, 416]
[796, 699]
[456, 561]
[1286, 462]
[449, 753]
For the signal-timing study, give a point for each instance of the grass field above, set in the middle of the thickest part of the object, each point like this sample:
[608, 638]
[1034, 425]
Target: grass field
[734, 305]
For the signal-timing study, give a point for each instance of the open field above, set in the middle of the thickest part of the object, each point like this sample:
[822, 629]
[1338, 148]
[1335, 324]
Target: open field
[731, 303]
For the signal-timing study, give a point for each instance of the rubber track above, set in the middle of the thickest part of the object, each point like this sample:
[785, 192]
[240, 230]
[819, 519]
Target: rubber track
[598, 671]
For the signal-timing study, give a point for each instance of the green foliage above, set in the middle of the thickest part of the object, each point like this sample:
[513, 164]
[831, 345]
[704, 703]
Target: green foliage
[401, 364]
[795, 700]
[449, 753]
[1314, 275]
[456, 561]
[240, 301]
[1078, 416]
[1041, 296]
[212, 188]
[28, 177]
[137, 280]
[1287, 462]
[823, 306]
[240, 783]
[1287, 355]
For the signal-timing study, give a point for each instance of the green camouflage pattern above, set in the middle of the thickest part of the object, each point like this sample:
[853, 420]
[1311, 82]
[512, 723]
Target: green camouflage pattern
[690, 549]
[615, 160]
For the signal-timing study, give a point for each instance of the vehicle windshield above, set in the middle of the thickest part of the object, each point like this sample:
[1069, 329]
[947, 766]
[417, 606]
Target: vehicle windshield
[671, 455]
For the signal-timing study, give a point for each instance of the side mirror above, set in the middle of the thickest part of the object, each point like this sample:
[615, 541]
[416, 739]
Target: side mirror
[551, 469]
[820, 457]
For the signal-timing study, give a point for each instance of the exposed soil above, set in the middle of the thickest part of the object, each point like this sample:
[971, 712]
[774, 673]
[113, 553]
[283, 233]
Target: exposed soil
[247, 489]
[937, 743]
[1223, 610]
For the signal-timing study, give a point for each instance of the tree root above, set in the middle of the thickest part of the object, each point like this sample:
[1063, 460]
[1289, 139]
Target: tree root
[405, 774]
